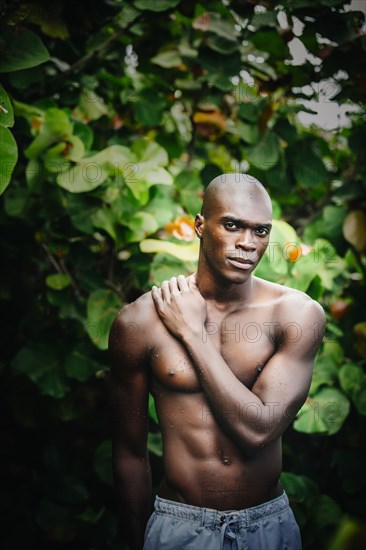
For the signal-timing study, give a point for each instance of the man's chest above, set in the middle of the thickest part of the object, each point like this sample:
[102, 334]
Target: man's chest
[245, 342]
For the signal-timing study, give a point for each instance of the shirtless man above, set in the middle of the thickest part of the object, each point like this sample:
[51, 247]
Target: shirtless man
[228, 358]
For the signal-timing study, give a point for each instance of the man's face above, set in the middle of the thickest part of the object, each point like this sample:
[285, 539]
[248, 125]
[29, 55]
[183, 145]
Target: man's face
[235, 233]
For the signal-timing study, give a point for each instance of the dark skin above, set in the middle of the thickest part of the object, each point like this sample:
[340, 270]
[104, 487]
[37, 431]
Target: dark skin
[228, 358]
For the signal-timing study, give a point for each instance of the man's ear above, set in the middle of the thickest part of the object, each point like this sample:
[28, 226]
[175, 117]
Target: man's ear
[199, 224]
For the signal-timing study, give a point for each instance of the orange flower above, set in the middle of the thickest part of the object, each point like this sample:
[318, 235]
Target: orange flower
[181, 228]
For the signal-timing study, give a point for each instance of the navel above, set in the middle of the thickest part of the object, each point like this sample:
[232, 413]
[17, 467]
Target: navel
[226, 461]
[171, 372]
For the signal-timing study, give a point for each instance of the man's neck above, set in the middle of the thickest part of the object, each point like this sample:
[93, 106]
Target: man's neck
[221, 291]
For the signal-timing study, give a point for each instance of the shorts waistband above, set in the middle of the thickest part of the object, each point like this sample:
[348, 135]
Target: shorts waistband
[213, 518]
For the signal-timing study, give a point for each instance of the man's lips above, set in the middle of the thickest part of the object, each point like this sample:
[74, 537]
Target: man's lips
[241, 263]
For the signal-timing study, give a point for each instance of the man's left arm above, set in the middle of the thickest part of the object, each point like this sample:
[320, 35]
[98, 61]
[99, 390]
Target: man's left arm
[263, 413]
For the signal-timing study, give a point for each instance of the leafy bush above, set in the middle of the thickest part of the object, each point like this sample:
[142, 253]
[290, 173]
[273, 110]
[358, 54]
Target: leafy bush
[123, 113]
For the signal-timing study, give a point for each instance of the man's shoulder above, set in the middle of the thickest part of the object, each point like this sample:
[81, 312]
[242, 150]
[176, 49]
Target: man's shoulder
[141, 311]
[292, 302]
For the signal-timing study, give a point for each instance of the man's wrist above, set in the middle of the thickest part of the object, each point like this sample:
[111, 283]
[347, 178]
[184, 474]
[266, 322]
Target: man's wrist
[194, 335]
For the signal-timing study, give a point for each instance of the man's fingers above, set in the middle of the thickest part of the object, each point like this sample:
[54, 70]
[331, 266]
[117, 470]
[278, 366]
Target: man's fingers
[192, 283]
[156, 293]
[173, 284]
[165, 291]
[182, 283]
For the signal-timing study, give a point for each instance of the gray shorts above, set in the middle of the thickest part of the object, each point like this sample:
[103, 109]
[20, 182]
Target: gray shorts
[269, 526]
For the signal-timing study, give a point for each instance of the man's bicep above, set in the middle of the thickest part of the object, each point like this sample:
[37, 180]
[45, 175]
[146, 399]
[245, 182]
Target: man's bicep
[284, 384]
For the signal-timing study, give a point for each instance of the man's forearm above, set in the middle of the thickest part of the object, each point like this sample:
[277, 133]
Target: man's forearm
[133, 493]
[236, 408]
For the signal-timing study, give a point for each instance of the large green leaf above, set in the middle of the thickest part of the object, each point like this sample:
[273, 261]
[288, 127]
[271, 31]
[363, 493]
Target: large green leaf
[8, 158]
[43, 367]
[324, 412]
[79, 365]
[353, 381]
[265, 153]
[21, 49]
[102, 306]
[83, 178]
[325, 373]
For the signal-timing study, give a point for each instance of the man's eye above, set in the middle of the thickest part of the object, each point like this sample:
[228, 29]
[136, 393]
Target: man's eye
[261, 231]
[231, 225]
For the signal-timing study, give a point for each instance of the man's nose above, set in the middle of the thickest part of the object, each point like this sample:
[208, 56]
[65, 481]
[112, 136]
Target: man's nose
[246, 242]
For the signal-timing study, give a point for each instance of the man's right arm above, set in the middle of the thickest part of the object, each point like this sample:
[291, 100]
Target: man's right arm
[129, 390]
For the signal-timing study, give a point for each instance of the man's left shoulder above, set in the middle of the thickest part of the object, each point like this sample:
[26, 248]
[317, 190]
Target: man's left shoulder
[294, 304]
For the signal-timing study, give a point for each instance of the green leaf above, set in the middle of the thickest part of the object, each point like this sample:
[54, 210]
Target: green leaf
[327, 511]
[6, 109]
[152, 409]
[149, 108]
[8, 158]
[85, 177]
[325, 373]
[154, 176]
[56, 127]
[187, 253]
[105, 219]
[85, 133]
[222, 44]
[167, 59]
[81, 210]
[249, 112]
[156, 5]
[325, 412]
[213, 22]
[308, 169]
[102, 462]
[150, 153]
[266, 153]
[102, 306]
[270, 41]
[155, 443]
[299, 488]
[248, 132]
[353, 381]
[58, 281]
[91, 106]
[43, 368]
[24, 49]
[165, 266]
[79, 365]
[351, 377]
[141, 224]
[323, 261]
[15, 202]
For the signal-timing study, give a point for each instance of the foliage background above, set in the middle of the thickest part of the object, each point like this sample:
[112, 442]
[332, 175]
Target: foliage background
[113, 118]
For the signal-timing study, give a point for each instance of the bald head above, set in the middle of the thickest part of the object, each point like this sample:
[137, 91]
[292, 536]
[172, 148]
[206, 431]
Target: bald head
[231, 186]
